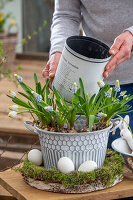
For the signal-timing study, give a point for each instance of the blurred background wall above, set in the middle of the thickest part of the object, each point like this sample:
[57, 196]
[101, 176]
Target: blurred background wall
[15, 8]
[30, 15]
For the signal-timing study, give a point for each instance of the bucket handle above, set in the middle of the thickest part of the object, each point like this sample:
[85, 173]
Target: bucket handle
[27, 123]
[118, 124]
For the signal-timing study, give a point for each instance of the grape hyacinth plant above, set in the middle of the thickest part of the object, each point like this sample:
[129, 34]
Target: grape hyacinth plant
[50, 110]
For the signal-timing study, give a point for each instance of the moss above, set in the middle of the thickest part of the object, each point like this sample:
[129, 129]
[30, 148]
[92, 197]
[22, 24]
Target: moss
[113, 166]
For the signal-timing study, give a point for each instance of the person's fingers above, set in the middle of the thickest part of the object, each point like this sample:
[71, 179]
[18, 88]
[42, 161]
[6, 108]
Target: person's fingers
[50, 84]
[106, 73]
[45, 71]
[116, 46]
[54, 61]
[121, 50]
[52, 69]
[120, 57]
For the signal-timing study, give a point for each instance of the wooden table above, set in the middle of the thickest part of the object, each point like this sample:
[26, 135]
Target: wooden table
[13, 182]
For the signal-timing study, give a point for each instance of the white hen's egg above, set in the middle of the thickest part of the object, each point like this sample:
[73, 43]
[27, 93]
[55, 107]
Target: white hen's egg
[88, 166]
[35, 156]
[65, 165]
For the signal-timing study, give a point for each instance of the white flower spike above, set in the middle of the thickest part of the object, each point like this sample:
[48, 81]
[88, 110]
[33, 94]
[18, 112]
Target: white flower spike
[102, 115]
[48, 108]
[117, 86]
[123, 93]
[50, 95]
[38, 97]
[100, 84]
[12, 114]
[74, 88]
[14, 108]
[34, 94]
[87, 96]
[19, 78]
[108, 93]
[12, 93]
[125, 97]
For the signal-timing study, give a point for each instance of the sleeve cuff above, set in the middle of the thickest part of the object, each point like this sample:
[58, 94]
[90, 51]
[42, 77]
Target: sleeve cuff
[55, 49]
[130, 29]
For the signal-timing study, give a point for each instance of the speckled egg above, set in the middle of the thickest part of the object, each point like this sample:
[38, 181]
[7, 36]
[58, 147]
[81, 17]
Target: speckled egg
[35, 156]
[88, 166]
[65, 165]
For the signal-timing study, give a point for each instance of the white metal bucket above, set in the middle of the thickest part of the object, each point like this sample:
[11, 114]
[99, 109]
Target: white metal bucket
[82, 57]
[79, 147]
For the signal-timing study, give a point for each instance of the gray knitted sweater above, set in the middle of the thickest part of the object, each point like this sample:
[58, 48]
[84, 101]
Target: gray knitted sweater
[101, 19]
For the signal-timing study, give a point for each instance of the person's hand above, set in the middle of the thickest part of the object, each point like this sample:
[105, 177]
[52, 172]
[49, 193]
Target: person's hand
[51, 66]
[121, 51]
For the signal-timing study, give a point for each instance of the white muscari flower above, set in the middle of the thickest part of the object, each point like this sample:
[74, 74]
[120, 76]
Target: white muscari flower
[117, 86]
[125, 97]
[48, 108]
[117, 89]
[87, 96]
[16, 75]
[19, 78]
[34, 94]
[100, 84]
[38, 97]
[108, 93]
[102, 115]
[12, 114]
[14, 108]
[74, 88]
[123, 93]
[50, 95]
[3, 60]
[12, 93]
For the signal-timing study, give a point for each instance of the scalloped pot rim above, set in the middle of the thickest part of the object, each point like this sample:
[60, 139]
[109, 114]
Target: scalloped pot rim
[80, 133]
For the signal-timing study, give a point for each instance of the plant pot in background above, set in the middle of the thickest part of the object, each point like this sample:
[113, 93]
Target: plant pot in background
[79, 147]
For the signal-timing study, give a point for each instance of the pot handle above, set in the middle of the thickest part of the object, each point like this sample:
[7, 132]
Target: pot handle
[27, 123]
[117, 125]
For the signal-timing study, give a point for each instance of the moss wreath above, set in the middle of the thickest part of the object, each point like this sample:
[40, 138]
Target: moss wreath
[75, 182]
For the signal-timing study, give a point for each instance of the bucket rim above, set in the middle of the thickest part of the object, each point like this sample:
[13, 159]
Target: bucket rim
[74, 134]
[92, 60]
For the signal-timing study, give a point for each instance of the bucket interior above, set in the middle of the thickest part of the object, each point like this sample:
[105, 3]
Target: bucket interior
[88, 47]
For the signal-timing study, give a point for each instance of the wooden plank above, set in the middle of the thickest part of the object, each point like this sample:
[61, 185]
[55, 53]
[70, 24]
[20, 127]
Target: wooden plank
[14, 183]
[4, 195]
[32, 56]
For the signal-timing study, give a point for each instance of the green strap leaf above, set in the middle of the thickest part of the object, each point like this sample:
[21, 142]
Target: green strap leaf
[91, 121]
[24, 95]
[82, 88]
[35, 78]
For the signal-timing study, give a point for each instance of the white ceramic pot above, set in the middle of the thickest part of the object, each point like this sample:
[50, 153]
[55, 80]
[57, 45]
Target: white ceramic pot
[82, 57]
